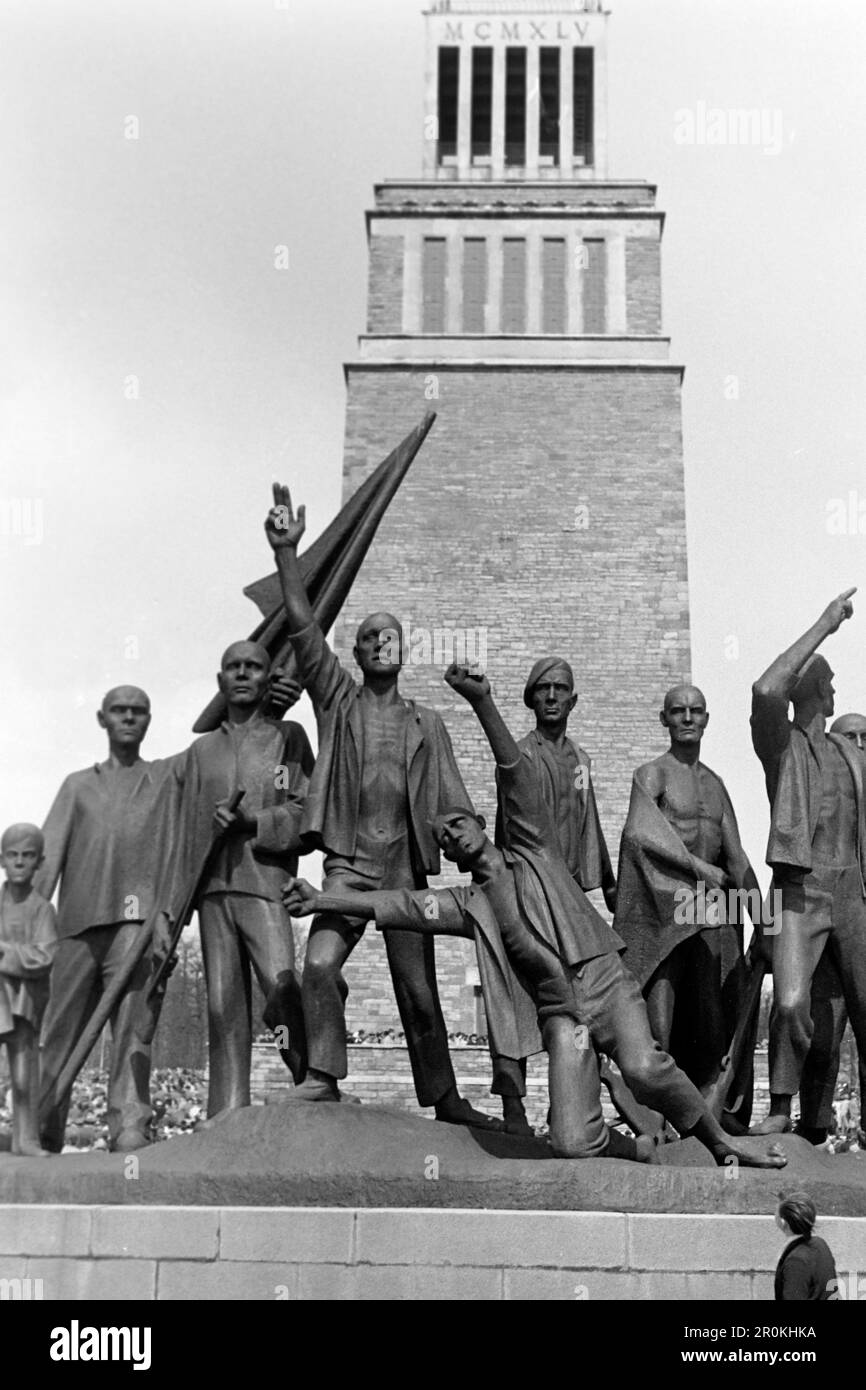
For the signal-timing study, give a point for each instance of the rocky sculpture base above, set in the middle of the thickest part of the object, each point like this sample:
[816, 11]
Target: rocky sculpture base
[303, 1155]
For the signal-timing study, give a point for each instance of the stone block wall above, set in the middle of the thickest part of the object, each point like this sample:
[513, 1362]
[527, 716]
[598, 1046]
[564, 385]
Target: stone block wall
[287, 1254]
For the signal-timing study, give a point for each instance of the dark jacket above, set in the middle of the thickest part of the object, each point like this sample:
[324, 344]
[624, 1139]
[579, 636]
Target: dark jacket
[589, 860]
[271, 760]
[551, 900]
[433, 783]
[793, 776]
[109, 839]
[806, 1272]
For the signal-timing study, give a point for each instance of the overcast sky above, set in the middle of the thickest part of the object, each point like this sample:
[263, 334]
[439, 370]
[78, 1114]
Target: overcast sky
[158, 371]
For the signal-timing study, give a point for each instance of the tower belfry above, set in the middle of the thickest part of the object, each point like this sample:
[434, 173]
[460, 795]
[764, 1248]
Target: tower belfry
[515, 288]
[516, 91]
[515, 244]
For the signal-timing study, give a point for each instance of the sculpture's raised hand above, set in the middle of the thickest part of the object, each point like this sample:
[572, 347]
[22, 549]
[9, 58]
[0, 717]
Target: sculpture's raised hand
[841, 608]
[282, 527]
[472, 685]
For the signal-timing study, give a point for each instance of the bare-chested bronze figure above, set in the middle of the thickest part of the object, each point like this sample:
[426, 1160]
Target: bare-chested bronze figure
[682, 872]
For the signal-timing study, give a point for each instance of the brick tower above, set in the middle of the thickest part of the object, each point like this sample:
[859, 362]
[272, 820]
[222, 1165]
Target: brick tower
[516, 289]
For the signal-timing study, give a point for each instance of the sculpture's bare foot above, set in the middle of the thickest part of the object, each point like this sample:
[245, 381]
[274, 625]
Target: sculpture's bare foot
[312, 1088]
[774, 1124]
[30, 1148]
[217, 1118]
[460, 1112]
[773, 1158]
[345, 1099]
[647, 1146]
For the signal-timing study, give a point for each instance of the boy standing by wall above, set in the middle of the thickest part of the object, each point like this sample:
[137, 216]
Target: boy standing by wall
[28, 937]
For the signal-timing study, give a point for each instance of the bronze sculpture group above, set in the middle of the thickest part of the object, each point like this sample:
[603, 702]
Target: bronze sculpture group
[666, 994]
